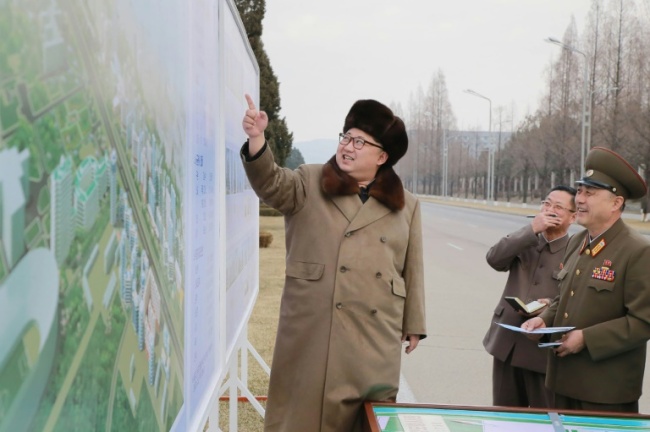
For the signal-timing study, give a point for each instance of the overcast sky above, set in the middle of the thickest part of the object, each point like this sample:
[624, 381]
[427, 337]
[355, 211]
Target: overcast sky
[329, 53]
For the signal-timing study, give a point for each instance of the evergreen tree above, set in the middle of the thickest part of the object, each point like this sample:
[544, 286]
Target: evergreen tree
[295, 159]
[277, 134]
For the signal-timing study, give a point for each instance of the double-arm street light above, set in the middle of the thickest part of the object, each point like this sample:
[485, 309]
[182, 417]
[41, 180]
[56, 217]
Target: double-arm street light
[586, 120]
[490, 189]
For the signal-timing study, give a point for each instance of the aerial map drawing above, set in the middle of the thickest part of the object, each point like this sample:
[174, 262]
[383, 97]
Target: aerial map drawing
[92, 289]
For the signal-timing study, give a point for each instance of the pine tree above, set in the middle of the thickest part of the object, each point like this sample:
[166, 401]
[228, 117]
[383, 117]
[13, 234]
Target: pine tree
[295, 159]
[277, 134]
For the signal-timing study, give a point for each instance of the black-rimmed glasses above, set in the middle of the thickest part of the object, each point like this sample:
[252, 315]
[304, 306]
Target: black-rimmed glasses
[357, 142]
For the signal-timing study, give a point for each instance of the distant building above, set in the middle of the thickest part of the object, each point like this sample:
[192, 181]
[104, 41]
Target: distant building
[86, 194]
[91, 183]
[127, 287]
[14, 192]
[102, 175]
[141, 319]
[478, 141]
[112, 186]
[151, 196]
[54, 46]
[152, 367]
[134, 317]
[62, 211]
[171, 221]
[122, 249]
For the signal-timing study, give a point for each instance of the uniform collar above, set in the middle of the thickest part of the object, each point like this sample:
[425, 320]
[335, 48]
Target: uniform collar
[554, 246]
[603, 239]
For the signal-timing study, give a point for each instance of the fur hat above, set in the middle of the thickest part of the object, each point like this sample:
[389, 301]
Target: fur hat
[377, 120]
[606, 169]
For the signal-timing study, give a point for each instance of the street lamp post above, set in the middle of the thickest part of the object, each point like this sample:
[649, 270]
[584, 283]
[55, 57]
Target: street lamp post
[490, 194]
[446, 137]
[415, 152]
[585, 95]
[415, 170]
[428, 115]
[445, 162]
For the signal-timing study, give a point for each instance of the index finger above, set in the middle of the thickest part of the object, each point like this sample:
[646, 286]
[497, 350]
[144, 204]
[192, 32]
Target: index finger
[251, 104]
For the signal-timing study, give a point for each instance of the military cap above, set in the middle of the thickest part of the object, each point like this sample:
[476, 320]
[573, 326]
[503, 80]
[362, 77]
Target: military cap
[606, 169]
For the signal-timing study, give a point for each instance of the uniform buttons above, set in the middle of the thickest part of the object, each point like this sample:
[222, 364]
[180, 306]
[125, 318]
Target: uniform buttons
[343, 269]
[339, 305]
[572, 293]
[578, 272]
[588, 252]
[382, 239]
[378, 275]
[348, 234]
[566, 315]
[374, 311]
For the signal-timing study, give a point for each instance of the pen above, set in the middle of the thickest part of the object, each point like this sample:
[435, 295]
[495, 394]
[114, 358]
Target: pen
[532, 216]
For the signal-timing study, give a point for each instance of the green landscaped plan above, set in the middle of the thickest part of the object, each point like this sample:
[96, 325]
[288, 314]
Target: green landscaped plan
[91, 240]
[403, 419]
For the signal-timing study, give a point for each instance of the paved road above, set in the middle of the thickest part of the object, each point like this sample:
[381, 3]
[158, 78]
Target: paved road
[450, 366]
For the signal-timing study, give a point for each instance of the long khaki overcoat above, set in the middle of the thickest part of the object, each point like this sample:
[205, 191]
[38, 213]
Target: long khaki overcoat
[354, 285]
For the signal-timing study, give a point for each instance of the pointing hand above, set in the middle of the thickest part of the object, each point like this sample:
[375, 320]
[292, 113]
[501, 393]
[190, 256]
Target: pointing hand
[254, 122]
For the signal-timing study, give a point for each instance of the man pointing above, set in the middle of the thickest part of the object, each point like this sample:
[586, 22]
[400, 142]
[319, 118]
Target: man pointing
[354, 274]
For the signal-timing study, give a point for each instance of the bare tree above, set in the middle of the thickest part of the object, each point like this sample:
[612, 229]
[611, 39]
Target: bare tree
[635, 112]
[546, 148]
[439, 117]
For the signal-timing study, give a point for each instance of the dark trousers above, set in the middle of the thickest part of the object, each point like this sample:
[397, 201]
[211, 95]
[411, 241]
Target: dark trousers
[565, 402]
[517, 387]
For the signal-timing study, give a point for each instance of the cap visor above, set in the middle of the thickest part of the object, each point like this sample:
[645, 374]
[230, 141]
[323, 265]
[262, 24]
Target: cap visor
[590, 183]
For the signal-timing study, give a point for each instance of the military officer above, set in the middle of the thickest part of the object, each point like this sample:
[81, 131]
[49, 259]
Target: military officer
[532, 256]
[604, 295]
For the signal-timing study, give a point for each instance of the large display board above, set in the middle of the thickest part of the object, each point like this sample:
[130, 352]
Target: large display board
[202, 319]
[241, 75]
[113, 183]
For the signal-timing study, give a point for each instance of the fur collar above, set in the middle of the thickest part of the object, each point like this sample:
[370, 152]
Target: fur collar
[387, 187]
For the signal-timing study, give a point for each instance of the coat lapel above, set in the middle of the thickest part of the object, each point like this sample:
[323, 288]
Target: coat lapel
[371, 211]
[349, 205]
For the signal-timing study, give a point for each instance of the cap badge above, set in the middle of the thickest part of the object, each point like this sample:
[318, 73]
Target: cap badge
[589, 173]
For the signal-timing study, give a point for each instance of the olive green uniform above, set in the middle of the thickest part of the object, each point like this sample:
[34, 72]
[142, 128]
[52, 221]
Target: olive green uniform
[605, 292]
